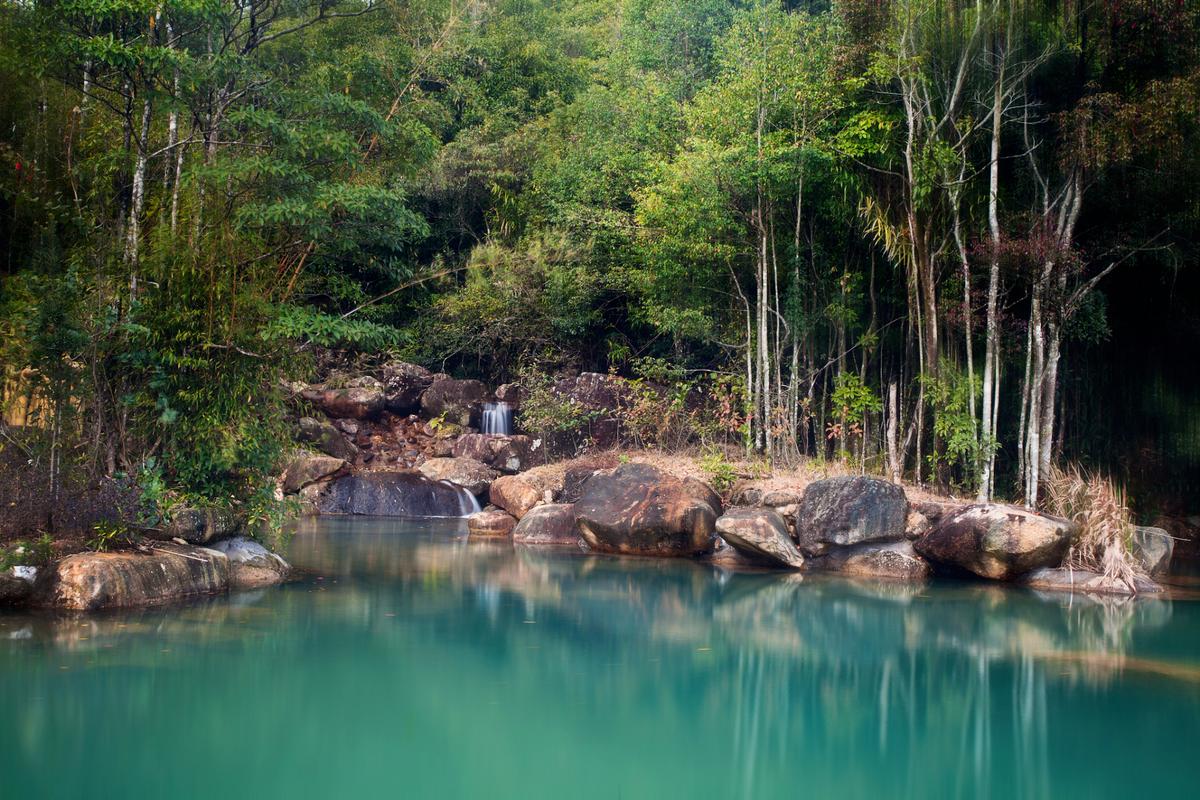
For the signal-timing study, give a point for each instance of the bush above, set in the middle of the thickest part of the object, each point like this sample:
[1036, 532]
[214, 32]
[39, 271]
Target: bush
[1098, 507]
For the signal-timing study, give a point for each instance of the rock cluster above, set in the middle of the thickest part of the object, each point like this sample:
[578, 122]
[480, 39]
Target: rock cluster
[853, 525]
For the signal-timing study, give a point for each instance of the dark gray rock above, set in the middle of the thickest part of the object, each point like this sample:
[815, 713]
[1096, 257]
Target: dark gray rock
[760, 534]
[392, 494]
[850, 510]
[403, 384]
[13, 590]
[456, 401]
[1152, 548]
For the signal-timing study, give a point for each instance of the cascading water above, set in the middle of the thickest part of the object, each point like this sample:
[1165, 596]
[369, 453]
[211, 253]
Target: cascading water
[468, 503]
[497, 419]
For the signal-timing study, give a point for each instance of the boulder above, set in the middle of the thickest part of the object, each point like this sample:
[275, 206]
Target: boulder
[890, 560]
[748, 496]
[457, 401]
[251, 565]
[761, 535]
[996, 542]
[781, 497]
[509, 393]
[472, 475]
[306, 469]
[1059, 579]
[403, 384]
[88, 581]
[197, 525]
[491, 523]
[548, 524]
[326, 438]
[638, 509]
[850, 510]
[363, 399]
[576, 475]
[505, 453]
[516, 494]
[391, 494]
[1152, 548]
[13, 590]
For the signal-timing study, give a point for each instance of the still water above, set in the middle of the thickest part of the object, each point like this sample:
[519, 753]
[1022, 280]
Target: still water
[410, 662]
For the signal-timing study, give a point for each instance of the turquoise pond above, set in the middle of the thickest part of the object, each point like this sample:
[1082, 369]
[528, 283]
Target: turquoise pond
[408, 661]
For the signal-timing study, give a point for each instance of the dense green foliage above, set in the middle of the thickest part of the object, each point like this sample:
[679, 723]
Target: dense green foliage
[886, 227]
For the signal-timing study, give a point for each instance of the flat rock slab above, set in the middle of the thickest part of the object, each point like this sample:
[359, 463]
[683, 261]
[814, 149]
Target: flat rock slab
[761, 535]
[90, 581]
[1074, 580]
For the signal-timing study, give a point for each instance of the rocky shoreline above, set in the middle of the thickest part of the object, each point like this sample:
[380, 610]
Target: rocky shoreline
[406, 442]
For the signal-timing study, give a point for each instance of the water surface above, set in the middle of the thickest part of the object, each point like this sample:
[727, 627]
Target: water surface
[410, 662]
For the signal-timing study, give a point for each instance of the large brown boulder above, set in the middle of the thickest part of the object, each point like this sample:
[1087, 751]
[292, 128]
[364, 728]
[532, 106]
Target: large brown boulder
[491, 523]
[889, 560]
[850, 510]
[363, 399]
[326, 438]
[505, 453]
[548, 524]
[516, 494]
[456, 401]
[472, 475]
[88, 581]
[307, 469]
[761, 535]
[638, 509]
[252, 566]
[995, 541]
[403, 384]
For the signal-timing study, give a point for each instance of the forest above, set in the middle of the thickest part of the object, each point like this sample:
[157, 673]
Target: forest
[950, 241]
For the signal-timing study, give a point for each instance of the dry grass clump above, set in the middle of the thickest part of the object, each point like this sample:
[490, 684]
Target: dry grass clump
[1105, 530]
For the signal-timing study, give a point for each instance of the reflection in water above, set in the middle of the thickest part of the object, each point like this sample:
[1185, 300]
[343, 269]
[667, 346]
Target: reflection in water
[411, 658]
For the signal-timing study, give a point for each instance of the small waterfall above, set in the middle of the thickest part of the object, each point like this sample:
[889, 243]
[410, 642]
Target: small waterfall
[468, 503]
[497, 419]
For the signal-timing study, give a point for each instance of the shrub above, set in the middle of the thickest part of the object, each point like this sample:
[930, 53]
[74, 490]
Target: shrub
[1098, 506]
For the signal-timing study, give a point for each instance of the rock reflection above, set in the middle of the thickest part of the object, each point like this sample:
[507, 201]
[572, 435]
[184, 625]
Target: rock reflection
[773, 681]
